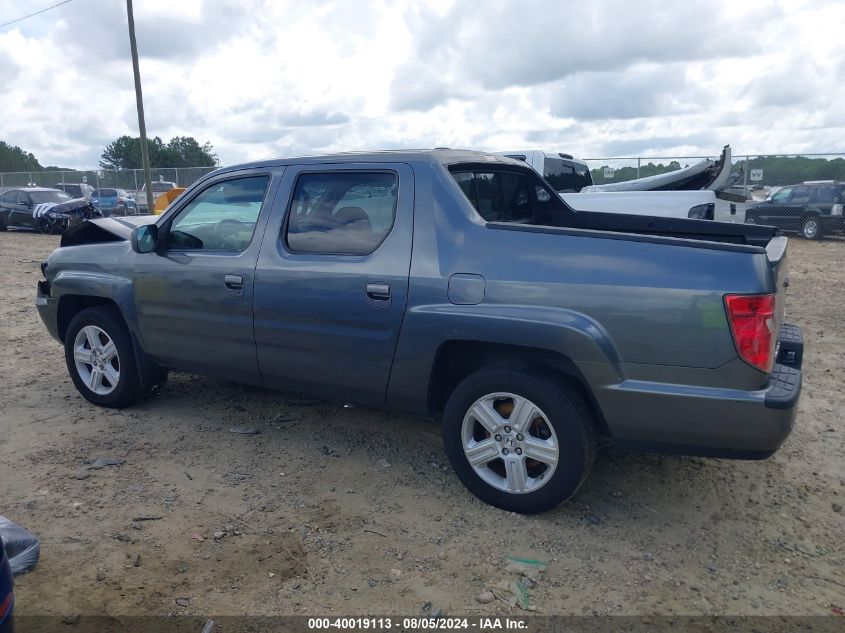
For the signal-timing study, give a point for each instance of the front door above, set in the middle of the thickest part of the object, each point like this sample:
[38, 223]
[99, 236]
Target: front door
[332, 280]
[22, 213]
[194, 294]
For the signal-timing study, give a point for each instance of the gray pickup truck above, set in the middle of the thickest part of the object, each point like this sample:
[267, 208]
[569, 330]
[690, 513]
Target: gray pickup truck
[449, 284]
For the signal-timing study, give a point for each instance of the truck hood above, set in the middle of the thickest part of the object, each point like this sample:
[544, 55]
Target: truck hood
[105, 230]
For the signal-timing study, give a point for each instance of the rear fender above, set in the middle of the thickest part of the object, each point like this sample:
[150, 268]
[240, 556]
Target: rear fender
[565, 332]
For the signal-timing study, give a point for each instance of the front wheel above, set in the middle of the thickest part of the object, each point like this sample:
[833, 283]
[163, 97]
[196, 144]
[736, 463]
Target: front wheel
[520, 440]
[100, 358]
[811, 229]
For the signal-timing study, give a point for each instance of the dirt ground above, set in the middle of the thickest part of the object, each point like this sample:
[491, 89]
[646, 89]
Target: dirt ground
[310, 518]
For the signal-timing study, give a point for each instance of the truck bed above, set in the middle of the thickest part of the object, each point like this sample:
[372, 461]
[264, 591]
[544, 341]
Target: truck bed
[707, 230]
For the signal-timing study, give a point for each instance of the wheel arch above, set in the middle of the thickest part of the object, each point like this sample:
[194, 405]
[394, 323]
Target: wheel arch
[71, 304]
[457, 359]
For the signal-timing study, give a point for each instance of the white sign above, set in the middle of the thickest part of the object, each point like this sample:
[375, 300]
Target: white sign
[608, 172]
[85, 179]
[757, 174]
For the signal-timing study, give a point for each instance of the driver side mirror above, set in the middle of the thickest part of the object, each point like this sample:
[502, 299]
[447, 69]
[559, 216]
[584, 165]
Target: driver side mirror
[144, 239]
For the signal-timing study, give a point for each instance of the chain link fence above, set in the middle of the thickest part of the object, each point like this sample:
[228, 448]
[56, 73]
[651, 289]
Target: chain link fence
[130, 179]
[797, 193]
[801, 193]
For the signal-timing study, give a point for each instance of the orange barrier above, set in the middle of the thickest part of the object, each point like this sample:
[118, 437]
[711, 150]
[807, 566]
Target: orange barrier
[165, 199]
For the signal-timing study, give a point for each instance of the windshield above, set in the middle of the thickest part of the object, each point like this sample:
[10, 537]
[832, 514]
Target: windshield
[40, 197]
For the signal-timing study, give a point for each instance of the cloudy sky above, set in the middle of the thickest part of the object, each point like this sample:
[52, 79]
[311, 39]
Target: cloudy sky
[271, 78]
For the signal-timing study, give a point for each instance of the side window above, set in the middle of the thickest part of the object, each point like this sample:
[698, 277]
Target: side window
[341, 213]
[561, 176]
[826, 195]
[517, 194]
[488, 197]
[513, 196]
[800, 195]
[782, 195]
[221, 218]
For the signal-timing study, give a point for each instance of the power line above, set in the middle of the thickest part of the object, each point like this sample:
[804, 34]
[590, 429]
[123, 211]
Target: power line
[31, 15]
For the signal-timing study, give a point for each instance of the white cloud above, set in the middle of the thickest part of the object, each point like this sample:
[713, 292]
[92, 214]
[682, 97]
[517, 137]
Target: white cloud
[260, 77]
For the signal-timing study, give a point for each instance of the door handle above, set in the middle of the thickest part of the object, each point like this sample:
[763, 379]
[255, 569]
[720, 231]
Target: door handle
[234, 282]
[378, 291]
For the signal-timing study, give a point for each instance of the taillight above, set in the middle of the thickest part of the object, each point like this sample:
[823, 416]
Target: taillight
[752, 319]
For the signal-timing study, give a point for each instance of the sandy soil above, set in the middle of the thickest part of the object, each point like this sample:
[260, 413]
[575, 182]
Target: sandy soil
[314, 521]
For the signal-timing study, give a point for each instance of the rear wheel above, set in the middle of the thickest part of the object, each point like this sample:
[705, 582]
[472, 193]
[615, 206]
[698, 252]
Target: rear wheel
[811, 229]
[3, 224]
[100, 358]
[518, 439]
[44, 227]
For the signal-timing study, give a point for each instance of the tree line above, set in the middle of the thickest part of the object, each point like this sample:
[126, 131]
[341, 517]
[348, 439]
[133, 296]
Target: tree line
[122, 153]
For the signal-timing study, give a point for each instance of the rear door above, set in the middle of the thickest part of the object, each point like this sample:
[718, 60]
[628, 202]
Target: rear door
[331, 283]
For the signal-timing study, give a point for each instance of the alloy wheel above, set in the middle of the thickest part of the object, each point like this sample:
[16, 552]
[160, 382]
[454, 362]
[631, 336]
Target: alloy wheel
[96, 359]
[510, 443]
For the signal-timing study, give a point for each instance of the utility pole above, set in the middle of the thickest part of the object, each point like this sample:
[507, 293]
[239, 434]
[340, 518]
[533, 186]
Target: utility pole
[139, 99]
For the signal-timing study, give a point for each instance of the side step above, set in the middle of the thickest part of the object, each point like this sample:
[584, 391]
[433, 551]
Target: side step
[790, 346]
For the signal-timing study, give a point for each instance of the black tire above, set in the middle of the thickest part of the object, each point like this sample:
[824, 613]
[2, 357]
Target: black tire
[811, 228]
[3, 225]
[128, 389]
[45, 227]
[567, 413]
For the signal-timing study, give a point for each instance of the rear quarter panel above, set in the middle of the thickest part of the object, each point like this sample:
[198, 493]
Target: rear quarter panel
[612, 304]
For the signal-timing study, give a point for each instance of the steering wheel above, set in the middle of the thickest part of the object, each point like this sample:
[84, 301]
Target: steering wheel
[226, 233]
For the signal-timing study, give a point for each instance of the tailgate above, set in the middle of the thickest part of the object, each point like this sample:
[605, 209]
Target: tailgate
[776, 256]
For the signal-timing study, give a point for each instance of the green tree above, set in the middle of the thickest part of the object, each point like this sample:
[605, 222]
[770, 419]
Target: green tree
[181, 151]
[13, 158]
[185, 151]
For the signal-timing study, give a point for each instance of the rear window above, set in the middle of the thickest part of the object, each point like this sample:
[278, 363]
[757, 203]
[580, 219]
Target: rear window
[508, 196]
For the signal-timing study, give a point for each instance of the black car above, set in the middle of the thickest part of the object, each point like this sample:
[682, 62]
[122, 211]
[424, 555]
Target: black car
[812, 209]
[7, 596]
[41, 209]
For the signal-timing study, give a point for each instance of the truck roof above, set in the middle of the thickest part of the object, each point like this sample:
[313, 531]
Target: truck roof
[443, 156]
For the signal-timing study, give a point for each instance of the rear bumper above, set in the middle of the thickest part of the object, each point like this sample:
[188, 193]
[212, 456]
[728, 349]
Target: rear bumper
[708, 421]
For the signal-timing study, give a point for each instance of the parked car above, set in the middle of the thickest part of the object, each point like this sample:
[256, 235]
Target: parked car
[159, 187]
[111, 201]
[7, 594]
[41, 209]
[75, 190]
[572, 179]
[813, 209]
[449, 284]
